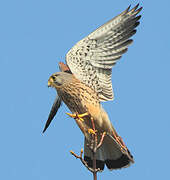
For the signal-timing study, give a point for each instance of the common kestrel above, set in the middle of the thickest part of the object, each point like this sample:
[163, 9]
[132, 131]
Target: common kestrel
[85, 81]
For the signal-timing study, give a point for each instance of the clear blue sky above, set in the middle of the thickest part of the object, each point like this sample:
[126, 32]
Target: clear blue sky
[34, 36]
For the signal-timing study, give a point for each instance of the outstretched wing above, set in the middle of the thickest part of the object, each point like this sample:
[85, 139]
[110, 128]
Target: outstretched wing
[92, 58]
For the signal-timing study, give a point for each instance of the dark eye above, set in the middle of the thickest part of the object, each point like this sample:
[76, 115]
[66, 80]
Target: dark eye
[53, 78]
[55, 75]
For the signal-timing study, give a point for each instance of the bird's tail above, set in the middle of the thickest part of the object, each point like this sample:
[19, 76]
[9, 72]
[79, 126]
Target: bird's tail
[110, 153]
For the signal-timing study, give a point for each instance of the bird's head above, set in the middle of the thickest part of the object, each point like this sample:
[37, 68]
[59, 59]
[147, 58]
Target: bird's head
[58, 79]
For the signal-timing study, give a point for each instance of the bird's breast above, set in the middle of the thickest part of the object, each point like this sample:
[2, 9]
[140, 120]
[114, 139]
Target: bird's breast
[78, 97]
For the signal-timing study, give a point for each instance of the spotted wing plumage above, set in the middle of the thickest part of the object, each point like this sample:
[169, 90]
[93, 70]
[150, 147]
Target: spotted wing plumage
[91, 59]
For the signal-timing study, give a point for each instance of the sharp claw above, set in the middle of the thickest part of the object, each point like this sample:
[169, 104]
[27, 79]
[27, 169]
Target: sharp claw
[82, 115]
[81, 119]
[78, 116]
[91, 131]
[72, 115]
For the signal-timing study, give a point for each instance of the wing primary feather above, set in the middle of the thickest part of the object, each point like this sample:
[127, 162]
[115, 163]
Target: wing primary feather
[133, 9]
[97, 53]
[54, 109]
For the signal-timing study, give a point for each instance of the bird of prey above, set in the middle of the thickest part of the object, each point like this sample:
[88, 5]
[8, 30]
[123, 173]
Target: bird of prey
[85, 81]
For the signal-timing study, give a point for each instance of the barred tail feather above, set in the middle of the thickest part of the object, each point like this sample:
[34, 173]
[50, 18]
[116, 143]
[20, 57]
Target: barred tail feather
[110, 154]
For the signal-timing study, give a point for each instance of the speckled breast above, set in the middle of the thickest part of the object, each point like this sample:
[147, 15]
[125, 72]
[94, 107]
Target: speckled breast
[78, 97]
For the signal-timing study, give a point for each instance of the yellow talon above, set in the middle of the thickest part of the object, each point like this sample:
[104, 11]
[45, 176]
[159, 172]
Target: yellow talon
[78, 116]
[82, 115]
[91, 131]
[81, 119]
[71, 115]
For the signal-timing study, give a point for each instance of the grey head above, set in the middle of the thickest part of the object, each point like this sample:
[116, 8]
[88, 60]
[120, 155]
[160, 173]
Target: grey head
[59, 78]
[56, 80]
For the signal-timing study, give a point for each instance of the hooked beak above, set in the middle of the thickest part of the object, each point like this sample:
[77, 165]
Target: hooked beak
[50, 82]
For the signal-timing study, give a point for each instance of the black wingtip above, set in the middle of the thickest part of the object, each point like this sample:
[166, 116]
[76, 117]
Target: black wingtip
[128, 8]
[47, 123]
[54, 109]
[139, 9]
[137, 5]
[45, 128]
[134, 9]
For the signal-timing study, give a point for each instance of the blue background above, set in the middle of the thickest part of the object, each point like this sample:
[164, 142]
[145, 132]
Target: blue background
[34, 36]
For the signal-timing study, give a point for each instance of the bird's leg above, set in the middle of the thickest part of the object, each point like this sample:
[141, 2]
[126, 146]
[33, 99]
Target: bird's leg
[120, 141]
[101, 140]
[78, 116]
